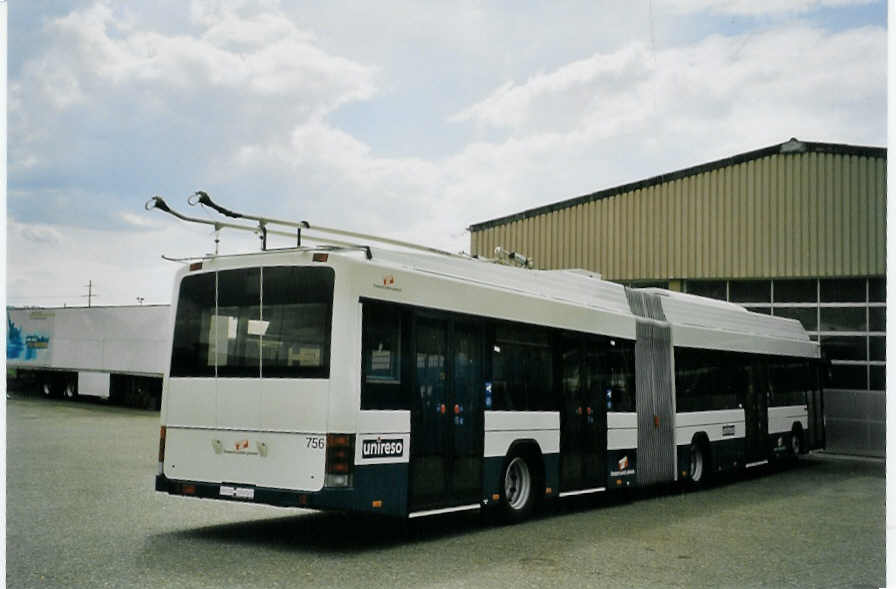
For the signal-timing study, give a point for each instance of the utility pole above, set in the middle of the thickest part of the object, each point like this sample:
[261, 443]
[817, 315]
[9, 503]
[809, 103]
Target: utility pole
[90, 294]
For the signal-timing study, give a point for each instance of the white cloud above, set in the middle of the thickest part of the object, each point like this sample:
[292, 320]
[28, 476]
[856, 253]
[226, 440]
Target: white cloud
[595, 123]
[50, 267]
[243, 105]
[576, 84]
[778, 69]
[263, 54]
[756, 7]
[37, 233]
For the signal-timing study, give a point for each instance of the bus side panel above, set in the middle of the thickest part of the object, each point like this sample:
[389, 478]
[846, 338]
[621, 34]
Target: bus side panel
[622, 453]
[725, 429]
[781, 421]
[492, 469]
[382, 456]
[725, 455]
[505, 428]
[378, 488]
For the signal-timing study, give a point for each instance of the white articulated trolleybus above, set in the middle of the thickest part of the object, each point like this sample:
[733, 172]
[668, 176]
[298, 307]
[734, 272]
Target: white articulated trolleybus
[418, 382]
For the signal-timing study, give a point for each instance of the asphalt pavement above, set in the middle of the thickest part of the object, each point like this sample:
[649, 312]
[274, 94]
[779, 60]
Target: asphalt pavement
[82, 512]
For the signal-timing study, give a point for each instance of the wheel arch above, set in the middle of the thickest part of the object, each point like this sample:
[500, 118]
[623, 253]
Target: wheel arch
[702, 438]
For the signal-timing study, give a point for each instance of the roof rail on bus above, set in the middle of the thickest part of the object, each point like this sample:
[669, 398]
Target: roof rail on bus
[157, 202]
[200, 197]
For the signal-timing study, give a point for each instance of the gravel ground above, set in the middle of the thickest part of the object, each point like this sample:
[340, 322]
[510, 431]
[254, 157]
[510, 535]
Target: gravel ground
[82, 512]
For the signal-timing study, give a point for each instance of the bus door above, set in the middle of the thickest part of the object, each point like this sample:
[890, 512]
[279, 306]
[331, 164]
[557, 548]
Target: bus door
[815, 404]
[446, 428]
[466, 419]
[583, 427]
[756, 412]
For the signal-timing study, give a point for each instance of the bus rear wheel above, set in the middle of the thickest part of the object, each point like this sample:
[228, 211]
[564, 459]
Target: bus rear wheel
[699, 459]
[518, 492]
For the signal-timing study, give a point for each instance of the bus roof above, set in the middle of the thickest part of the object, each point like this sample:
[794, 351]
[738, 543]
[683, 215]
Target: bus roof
[688, 313]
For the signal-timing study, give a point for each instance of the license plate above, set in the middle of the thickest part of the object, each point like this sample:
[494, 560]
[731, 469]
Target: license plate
[237, 492]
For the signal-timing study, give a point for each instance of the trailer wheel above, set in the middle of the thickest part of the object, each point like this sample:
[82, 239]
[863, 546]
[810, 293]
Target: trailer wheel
[518, 492]
[51, 386]
[71, 390]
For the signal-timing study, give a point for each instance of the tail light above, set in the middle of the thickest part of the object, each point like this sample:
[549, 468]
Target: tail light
[161, 448]
[340, 458]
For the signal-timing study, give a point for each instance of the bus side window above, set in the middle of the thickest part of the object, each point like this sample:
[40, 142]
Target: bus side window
[685, 382]
[522, 371]
[623, 377]
[612, 363]
[790, 378]
[381, 355]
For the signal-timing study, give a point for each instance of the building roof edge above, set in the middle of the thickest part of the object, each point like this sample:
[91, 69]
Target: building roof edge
[788, 147]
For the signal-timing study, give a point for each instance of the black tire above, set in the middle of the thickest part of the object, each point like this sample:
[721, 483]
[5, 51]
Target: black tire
[796, 441]
[519, 489]
[70, 390]
[51, 386]
[701, 465]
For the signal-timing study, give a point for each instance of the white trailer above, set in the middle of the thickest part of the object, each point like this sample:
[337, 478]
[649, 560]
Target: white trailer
[119, 353]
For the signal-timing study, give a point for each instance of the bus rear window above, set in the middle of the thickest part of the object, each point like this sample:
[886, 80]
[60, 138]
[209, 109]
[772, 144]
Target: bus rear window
[271, 322]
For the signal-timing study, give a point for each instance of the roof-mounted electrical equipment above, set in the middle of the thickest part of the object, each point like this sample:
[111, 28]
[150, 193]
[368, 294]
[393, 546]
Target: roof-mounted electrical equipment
[319, 234]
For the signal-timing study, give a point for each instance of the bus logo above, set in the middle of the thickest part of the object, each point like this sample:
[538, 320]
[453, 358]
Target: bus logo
[241, 445]
[387, 283]
[623, 468]
[380, 448]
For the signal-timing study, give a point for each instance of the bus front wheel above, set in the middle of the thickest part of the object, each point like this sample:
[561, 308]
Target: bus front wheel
[518, 492]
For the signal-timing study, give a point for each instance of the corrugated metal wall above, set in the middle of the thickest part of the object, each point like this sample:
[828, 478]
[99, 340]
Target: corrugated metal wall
[805, 214]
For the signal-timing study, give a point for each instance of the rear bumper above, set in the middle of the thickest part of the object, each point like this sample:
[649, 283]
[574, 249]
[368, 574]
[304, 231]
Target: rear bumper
[377, 489]
[276, 497]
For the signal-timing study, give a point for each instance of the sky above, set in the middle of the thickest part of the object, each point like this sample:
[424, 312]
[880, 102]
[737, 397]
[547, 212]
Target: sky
[406, 119]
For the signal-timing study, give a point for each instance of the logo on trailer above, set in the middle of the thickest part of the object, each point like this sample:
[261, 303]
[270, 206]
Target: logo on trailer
[380, 448]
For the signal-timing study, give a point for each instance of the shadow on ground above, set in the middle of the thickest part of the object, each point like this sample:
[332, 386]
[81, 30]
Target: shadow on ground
[325, 532]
